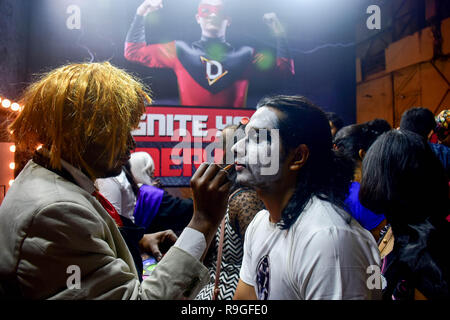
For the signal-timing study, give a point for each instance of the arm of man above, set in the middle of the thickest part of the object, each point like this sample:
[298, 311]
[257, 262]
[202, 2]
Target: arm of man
[244, 291]
[136, 48]
[72, 252]
[67, 237]
[284, 62]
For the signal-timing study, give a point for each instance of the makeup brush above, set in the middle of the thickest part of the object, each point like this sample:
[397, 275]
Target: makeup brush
[231, 172]
[228, 167]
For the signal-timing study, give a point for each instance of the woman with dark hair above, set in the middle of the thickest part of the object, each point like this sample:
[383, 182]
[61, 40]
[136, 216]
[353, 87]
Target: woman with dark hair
[353, 141]
[336, 123]
[402, 178]
[228, 246]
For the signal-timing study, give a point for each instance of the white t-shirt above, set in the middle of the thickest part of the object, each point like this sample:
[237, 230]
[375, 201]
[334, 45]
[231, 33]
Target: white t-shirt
[321, 256]
[119, 192]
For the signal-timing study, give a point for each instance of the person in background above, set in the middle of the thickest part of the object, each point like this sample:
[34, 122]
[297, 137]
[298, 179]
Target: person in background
[243, 205]
[353, 141]
[83, 115]
[402, 178]
[422, 121]
[305, 245]
[379, 125]
[336, 123]
[156, 209]
[442, 129]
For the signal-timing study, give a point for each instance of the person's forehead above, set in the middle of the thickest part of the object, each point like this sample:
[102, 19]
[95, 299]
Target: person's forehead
[264, 117]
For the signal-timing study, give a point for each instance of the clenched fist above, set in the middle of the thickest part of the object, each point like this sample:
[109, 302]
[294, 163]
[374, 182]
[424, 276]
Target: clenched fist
[274, 23]
[149, 6]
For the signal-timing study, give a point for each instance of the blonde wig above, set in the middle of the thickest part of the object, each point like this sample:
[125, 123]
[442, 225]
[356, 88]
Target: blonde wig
[78, 106]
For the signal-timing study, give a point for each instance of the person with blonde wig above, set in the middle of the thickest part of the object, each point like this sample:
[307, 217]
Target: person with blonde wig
[60, 237]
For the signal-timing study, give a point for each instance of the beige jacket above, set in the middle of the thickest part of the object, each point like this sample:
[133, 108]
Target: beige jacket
[49, 224]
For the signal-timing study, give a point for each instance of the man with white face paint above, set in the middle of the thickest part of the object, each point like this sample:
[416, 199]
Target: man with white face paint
[305, 245]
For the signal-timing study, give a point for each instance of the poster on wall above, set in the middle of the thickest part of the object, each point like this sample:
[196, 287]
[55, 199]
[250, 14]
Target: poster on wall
[203, 58]
[179, 139]
[208, 53]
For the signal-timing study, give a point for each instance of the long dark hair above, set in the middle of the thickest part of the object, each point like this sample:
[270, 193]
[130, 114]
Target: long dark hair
[350, 139]
[326, 173]
[402, 178]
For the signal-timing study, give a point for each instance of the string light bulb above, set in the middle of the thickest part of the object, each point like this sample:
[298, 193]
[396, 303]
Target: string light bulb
[15, 107]
[6, 103]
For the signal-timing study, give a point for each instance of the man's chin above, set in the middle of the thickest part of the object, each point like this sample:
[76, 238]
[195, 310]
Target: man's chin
[243, 180]
[212, 31]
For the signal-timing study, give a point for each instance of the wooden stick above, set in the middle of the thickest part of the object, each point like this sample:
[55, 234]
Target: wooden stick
[228, 167]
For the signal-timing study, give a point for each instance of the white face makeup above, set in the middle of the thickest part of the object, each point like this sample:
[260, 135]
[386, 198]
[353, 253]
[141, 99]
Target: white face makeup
[258, 154]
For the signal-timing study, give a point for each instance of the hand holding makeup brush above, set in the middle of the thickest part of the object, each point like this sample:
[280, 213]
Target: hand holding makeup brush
[210, 188]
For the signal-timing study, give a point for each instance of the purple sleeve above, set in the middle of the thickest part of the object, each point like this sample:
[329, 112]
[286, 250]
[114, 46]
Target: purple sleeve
[366, 218]
[147, 205]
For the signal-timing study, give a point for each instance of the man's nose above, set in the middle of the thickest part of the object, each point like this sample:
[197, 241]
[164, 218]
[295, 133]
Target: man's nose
[239, 148]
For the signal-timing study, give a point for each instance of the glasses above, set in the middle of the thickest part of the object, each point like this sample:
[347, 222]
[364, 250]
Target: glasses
[206, 10]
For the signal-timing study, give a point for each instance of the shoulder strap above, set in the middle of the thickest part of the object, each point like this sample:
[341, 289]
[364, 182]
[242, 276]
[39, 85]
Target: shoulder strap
[386, 244]
[219, 260]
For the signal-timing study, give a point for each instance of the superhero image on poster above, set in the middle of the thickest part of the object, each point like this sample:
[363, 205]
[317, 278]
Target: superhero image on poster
[208, 53]
[209, 71]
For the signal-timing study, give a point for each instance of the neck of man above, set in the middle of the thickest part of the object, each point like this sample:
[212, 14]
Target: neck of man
[276, 199]
[208, 38]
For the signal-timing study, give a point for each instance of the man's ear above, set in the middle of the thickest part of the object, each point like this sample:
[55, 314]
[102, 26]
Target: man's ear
[228, 21]
[197, 17]
[301, 155]
[361, 154]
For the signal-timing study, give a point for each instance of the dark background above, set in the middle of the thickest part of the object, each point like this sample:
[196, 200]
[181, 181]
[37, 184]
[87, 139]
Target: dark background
[321, 33]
